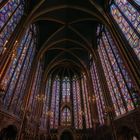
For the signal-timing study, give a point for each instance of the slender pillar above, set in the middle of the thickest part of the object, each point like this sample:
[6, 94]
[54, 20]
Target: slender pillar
[93, 105]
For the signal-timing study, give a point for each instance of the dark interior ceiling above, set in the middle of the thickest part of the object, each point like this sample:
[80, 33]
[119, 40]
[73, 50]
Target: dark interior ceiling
[67, 29]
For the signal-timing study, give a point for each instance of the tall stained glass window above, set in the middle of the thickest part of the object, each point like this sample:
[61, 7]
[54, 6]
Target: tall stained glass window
[128, 19]
[16, 76]
[66, 90]
[118, 79]
[86, 112]
[66, 117]
[10, 15]
[98, 93]
[55, 103]
[64, 101]
[78, 118]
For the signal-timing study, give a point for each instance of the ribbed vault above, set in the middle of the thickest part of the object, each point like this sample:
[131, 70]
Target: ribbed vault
[67, 29]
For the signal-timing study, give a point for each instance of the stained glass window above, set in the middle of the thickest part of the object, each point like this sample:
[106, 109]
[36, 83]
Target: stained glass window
[128, 19]
[64, 100]
[66, 90]
[10, 15]
[16, 76]
[55, 103]
[66, 117]
[118, 80]
[98, 93]
[86, 112]
[77, 103]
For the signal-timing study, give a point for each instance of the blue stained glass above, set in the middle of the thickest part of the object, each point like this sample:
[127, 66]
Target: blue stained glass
[128, 19]
[66, 89]
[118, 74]
[130, 12]
[14, 78]
[55, 103]
[24, 71]
[77, 103]
[111, 82]
[9, 72]
[10, 15]
[6, 11]
[118, 79]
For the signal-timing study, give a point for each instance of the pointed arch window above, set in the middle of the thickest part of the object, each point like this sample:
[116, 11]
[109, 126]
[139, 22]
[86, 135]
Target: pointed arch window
[10, 15]
[119, 82]
[66, 117]
[128, 19]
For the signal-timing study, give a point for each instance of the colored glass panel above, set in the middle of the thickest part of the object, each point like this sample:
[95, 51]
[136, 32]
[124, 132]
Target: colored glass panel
[75, 104]
[54, 119]
[128, 19]
[15, 76]
[129, 12]
[78, 118]
[10, 15]
[118, 80]
[66, 117]
[66, 90]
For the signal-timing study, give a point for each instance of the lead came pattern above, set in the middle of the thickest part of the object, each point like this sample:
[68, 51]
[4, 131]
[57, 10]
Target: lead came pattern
[129, 23]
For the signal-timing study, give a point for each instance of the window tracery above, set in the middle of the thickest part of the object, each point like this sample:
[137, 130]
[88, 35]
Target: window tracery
[66, 117]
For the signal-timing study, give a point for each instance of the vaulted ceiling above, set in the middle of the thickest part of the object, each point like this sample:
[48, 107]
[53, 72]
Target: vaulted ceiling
[67, 30]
